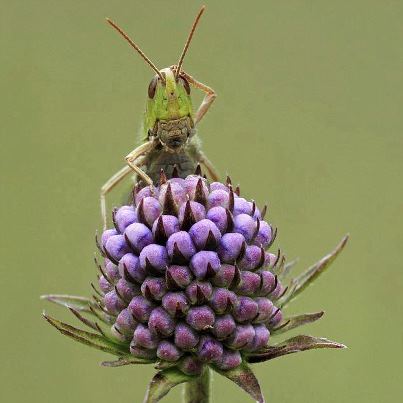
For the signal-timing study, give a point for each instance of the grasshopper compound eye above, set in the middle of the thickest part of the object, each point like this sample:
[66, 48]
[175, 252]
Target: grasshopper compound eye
[152, 87]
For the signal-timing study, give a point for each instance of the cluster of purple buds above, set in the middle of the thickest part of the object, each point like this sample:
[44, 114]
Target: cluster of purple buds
[187, 277]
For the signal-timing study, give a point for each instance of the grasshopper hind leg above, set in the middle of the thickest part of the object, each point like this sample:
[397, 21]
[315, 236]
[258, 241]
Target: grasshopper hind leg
[108, 186]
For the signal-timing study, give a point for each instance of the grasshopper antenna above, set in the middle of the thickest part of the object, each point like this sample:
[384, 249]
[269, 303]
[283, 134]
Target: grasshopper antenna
[134, 45]
[196, 21]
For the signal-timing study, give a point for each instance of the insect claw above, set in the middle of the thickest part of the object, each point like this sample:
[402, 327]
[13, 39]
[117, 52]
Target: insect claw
[238, 191]
[169, 202]
[175, 172]
[228, 180]
[163, 177]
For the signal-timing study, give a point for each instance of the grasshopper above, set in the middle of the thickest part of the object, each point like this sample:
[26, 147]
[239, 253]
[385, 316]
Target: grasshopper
[169, 140]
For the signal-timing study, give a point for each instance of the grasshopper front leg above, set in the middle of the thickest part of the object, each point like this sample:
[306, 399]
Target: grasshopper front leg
[133, 161]
[208, 98]
[136, 153]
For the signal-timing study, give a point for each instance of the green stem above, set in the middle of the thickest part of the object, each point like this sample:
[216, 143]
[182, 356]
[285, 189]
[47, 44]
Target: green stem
[198, 390]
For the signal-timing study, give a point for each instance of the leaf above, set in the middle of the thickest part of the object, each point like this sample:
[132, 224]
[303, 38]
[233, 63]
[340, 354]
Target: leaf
[163, 382]
[245, 379]
[79, 304]
[287, 269]
[298, 284]
[296, 321]
[293, 345]
[90, 339]
[127, 360]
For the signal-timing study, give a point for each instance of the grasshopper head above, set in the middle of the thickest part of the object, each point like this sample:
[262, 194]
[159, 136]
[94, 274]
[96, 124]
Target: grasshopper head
[168, 97]
[169, 101]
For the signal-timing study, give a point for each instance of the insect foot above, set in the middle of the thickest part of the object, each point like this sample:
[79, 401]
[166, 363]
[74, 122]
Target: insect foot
[189, 283]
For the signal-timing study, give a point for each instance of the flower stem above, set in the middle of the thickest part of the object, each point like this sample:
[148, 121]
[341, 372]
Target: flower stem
[198, 390]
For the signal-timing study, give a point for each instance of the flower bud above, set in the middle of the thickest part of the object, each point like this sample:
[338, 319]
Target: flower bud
[143, 337]
[168, 351]
[230, 359]
[249, 284]
[154, 288]
[139, 236]
[217, 198]
[242, 336]
[230, 247]
[154, 258]
[175, 303]
[125, 216]
[245, 225]
[116, 247]
[178, 276]
[223, 300]
[113, 303]
[164, 227]
[223, 326]
[200, 317]
[205, 235]
[130, 269]
[205, 264]
[160, 323]
[180, 247]
[186, 338]
[141, 308]
[209, 349]
[245, 309]
[191, 365]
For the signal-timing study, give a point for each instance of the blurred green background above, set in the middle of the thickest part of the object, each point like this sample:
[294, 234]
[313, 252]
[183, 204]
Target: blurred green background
[308, 117]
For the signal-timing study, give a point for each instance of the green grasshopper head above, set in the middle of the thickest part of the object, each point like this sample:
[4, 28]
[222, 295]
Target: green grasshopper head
[169, 105]
[168, 100]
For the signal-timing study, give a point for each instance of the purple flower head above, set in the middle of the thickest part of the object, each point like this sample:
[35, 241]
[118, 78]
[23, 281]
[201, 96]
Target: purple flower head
[188, 282]
[187, 272]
